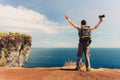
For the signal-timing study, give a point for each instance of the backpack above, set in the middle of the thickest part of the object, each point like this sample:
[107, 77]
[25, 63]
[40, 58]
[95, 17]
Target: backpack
[85, 33]
[85, 36]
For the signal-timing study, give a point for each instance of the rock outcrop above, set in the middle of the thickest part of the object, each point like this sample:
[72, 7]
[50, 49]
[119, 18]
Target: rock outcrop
[14, 49]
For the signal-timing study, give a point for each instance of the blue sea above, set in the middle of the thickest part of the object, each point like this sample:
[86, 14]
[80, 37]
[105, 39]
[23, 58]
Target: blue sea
[56, 57]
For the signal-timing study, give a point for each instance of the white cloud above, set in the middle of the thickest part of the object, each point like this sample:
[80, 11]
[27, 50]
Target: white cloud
[21, 19]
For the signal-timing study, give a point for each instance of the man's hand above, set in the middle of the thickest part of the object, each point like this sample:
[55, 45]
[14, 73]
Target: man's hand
[66, 16]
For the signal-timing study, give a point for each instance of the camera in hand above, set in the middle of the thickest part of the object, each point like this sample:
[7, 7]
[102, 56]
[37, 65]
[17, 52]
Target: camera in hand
[101, 16]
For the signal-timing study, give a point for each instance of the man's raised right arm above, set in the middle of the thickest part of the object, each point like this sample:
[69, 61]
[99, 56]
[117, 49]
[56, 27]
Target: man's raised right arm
[71, 22]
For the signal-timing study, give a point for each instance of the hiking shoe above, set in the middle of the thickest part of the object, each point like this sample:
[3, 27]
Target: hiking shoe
[77, 68]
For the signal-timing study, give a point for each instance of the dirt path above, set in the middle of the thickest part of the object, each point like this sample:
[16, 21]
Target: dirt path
[57, 74]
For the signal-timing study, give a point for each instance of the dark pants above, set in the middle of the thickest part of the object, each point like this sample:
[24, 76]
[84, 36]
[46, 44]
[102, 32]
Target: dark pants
[83, 48]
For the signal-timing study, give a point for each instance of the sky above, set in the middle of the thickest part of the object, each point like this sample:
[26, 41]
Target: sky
[44, 21]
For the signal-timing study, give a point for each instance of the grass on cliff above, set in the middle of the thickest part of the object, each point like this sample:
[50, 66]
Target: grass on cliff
[5, 50]
[72, 64]
[69, 63]
[13, 34]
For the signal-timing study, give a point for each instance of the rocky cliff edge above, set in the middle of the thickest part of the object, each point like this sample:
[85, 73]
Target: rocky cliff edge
[14, 49]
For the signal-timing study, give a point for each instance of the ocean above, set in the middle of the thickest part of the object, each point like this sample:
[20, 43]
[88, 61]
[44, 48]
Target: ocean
[56, 57]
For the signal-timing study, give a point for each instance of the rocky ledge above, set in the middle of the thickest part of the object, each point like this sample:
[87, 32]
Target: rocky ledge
[14, 49]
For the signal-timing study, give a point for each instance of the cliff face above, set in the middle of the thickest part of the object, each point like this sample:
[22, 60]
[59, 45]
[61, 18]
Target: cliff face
[14, 49]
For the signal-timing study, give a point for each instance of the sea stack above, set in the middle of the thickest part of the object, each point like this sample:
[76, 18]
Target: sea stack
[14, 49]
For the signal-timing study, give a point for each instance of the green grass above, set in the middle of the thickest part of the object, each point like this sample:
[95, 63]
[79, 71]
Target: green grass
[5, 50]
[13, 34]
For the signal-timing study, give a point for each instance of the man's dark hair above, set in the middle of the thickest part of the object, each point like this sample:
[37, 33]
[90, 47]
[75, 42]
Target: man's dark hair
[83, 22]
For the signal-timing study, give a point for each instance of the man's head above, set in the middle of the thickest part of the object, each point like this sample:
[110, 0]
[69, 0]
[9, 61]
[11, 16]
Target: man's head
[83, 22]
